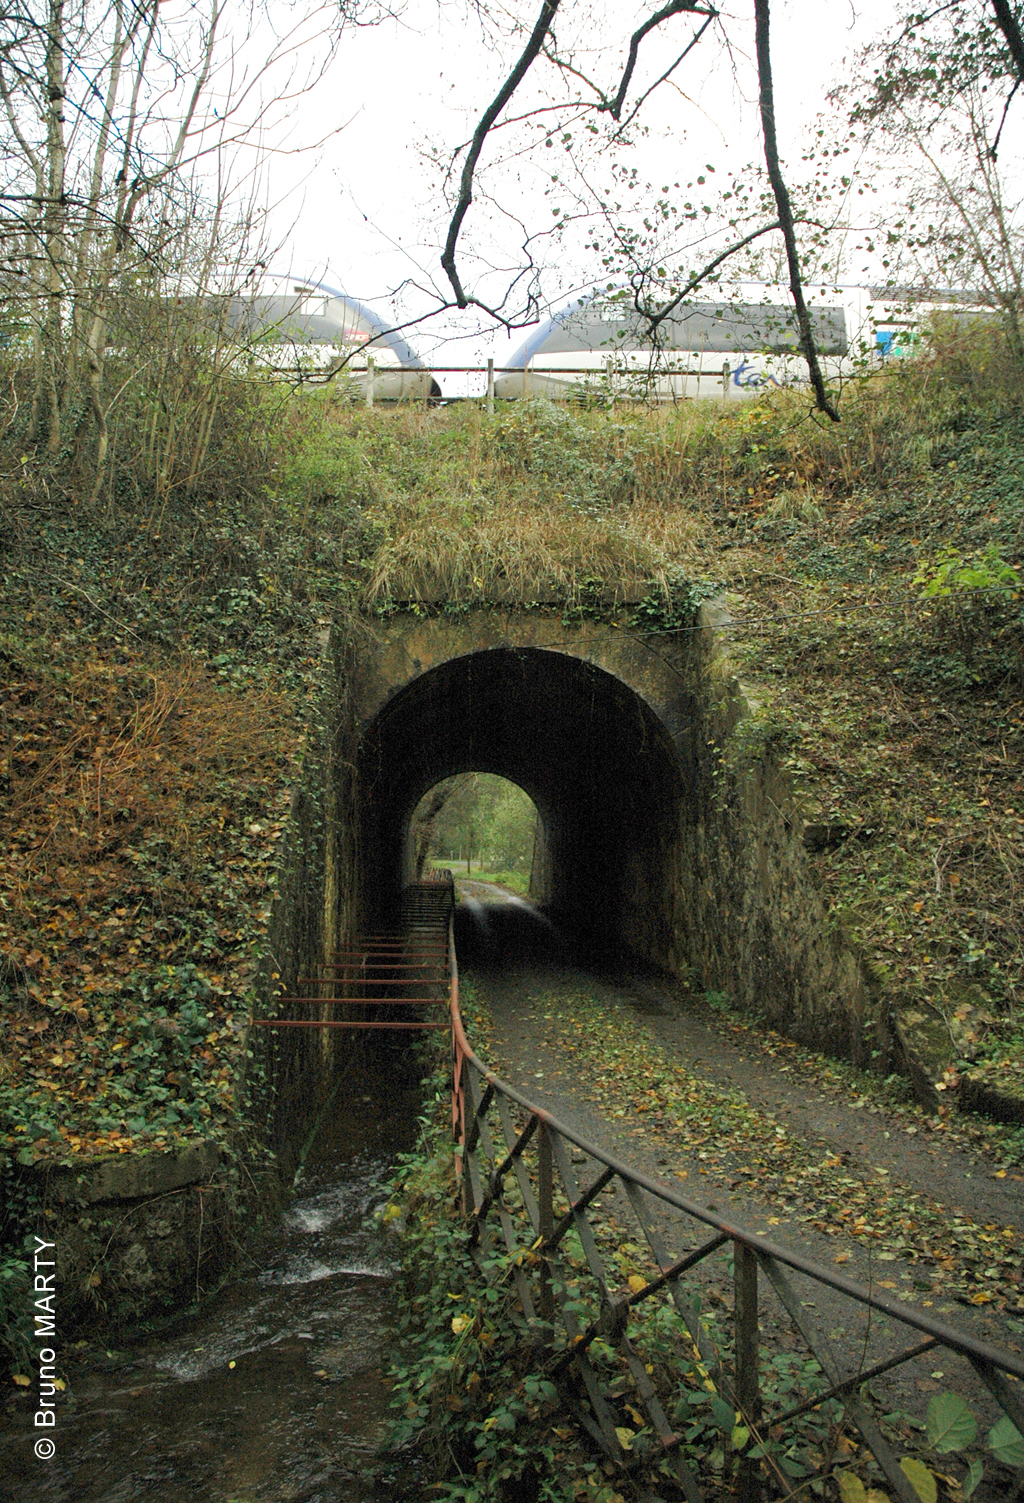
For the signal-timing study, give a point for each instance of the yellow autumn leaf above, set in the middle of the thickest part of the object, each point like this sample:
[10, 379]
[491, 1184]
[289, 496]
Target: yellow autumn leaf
[21, 1380]
[636, 1283]
[921, 1479]
[851, 1488]
[625, 1437]
[461, 1323]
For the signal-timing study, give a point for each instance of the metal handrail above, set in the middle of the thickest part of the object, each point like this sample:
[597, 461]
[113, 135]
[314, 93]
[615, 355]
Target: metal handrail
[486, 1160]
[372, 972]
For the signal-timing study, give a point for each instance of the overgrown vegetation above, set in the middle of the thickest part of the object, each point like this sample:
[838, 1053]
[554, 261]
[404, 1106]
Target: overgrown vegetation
[158, 647]
[872, 572]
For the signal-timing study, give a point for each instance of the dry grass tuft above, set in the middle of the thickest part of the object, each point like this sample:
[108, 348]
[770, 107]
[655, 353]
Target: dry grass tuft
[458, 554]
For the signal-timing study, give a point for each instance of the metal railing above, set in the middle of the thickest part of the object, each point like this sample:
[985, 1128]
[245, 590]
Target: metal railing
[530, 1201]
[615, 379]
[530, 1185]
[403, 969]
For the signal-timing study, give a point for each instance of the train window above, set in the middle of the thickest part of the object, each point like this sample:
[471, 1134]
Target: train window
[706, 327]
[311, 304]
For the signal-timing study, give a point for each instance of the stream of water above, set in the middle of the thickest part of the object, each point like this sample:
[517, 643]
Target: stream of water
[274, 1392]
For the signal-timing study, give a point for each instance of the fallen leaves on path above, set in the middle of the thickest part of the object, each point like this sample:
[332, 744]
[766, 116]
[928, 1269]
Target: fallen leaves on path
[706, 1129]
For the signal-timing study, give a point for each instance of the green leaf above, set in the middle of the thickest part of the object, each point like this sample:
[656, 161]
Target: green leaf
[1006, 1443]
[950, 1424]
[920, 1478]
[975, 1472]
[851, 1488]
[724, 1413]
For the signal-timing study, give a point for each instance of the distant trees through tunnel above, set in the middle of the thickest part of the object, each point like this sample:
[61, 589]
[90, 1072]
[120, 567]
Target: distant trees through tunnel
[475, 822]
[584, 748]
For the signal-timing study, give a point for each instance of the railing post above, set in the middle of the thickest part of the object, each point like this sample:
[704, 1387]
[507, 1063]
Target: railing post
[748, 1387]
[725, 381]
[490, 386]
[371, 374]
[545, 1218]
[609, 375]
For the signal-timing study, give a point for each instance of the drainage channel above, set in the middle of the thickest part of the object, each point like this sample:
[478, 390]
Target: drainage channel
[274, 1392]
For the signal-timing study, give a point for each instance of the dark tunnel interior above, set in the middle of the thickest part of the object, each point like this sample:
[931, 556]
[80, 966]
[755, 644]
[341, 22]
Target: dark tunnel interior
[594, 758]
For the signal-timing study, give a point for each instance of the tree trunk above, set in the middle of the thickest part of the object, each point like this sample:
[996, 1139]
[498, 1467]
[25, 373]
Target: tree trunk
[53, 220]
[423, 828]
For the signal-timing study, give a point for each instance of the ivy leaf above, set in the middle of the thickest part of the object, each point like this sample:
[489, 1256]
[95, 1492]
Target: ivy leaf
[975, 1472]
[950, 1424]
[723, 1412]
[1006, 1442]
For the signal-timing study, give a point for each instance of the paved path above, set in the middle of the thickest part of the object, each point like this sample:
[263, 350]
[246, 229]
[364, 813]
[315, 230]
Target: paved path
[833, 1114]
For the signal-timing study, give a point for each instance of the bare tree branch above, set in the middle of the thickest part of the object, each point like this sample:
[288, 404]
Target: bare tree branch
[691, 44]
[603, 105]
[1010, 27]
[785, 208]
[993, 150]
[673, 8]
[701, 276]
[487, 119]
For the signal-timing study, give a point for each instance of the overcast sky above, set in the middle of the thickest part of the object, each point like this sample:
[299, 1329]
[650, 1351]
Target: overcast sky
[363, 214]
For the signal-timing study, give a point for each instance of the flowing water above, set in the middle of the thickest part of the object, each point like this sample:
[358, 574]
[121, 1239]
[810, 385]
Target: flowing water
[274, 1392]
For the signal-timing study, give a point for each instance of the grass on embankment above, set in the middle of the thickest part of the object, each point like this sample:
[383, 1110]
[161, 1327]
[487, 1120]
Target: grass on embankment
[156, 663]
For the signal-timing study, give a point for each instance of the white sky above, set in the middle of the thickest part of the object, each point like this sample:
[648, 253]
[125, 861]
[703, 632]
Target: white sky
[363, 213]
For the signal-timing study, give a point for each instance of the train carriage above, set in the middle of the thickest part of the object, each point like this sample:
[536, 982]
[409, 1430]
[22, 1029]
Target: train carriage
[731, 347]
[305, 328]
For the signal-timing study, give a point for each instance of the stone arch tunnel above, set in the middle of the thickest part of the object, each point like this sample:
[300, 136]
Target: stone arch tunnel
[669, 833]
[592, 754]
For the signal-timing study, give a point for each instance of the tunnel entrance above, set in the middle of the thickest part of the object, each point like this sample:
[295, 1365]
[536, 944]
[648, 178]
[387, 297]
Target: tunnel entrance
[597, 762]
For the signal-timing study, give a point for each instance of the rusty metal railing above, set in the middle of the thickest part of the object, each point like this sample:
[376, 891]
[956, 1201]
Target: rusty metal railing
[530, 1185]
[405, 969]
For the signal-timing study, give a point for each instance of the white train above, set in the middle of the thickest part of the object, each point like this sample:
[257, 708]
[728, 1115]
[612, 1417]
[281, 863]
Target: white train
[304, 329]
[729, 347]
